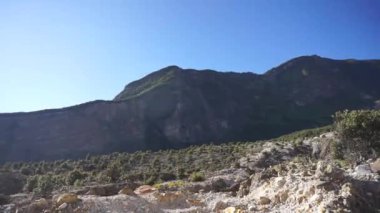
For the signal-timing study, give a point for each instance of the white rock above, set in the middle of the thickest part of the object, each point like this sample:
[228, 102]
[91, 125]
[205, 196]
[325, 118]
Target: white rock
[363, 169]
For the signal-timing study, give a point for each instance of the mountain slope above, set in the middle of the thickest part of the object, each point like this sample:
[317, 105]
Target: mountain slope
[176, 107]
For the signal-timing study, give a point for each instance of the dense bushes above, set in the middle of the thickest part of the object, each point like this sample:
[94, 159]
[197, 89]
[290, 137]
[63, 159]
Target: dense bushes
[145, 167]
[358, 132]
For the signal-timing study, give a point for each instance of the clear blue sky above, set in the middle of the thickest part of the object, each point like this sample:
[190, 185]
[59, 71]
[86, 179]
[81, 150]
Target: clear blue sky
[65, 52]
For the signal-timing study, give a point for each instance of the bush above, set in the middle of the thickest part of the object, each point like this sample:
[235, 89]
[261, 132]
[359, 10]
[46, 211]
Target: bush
[166, 176]
[45, 185]
[358, 131]
[31, 183]
[74, 176]
[197, 176]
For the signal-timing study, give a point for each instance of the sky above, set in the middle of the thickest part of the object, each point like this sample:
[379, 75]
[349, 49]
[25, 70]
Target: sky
[55, 54]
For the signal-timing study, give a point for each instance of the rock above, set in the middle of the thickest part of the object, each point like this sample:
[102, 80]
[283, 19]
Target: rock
[42, 202]
[169, 197]
[62, 206]
[67, 198]
[251, 208]
[9, 208]
[38, 206]
[282, 196]
[116, 203]
[244, 188]
[328, 172]
[103, 190]
[219, 206]
[363, 169]
[127, 191]
[279, 182]
[145, 189]
[316, 149]
[264, 201]
[375, 166]
[195, 202]
[232, 210]
[317, 198]
[20, 198]
[197, 187]
[172, 200]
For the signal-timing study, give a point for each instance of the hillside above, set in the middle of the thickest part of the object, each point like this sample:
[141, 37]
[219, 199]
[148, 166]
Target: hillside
[175, 108]
[299, 172]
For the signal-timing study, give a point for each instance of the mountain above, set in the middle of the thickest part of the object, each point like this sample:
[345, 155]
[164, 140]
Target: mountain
[175, 107]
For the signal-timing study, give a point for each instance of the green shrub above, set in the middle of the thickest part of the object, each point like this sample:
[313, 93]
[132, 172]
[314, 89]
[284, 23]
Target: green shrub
[166, 176]
[358, 131]
[337, 150]
[31, 183]
[197, 176]
[74, 176]
[150, 180]
[45, 184]
[113, 172]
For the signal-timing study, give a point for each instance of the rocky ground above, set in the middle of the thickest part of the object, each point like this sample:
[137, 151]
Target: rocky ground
[282, 177]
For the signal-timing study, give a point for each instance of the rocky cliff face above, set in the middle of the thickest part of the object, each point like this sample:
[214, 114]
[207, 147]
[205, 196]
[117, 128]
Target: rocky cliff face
[176, 107]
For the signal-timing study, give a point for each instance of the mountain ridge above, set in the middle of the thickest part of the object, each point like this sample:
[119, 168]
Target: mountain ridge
[175, 108]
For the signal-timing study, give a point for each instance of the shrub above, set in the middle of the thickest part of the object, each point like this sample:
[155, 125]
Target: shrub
[45, 184]
[358, 131]
[113, 172]
[166, 176]
[74, 176]
[31, 183]
[197, 176]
